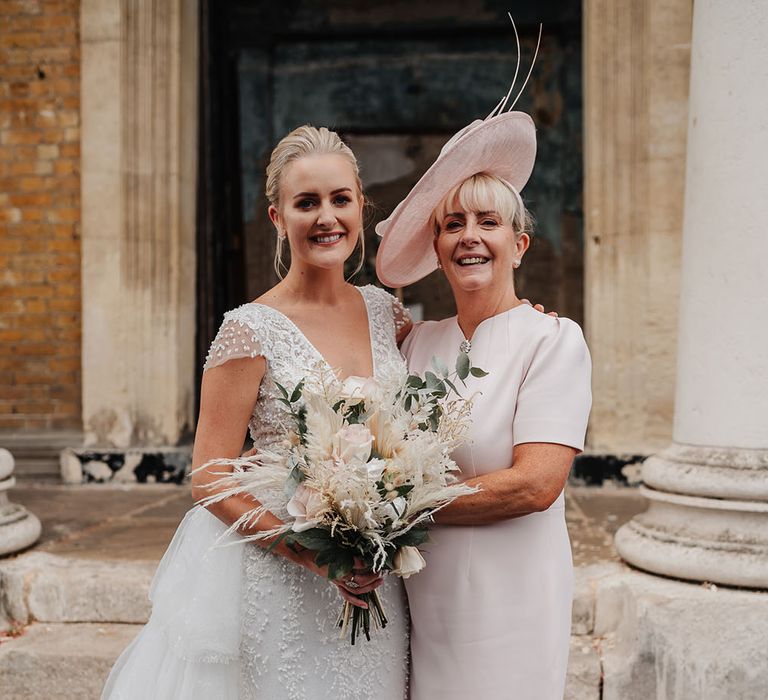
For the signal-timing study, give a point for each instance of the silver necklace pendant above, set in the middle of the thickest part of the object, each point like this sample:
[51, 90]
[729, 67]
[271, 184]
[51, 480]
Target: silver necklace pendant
[465, 346]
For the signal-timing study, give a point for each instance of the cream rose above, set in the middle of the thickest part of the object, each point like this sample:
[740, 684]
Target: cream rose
[408, 561]
[395, 508]
[307, 507]
[353, 442]
[356, 389]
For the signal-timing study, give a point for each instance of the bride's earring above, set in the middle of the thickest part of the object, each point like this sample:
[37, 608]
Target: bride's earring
[516, 264]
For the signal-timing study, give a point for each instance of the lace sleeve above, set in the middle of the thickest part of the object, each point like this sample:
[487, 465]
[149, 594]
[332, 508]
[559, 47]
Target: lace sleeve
[401, 316]
[235, 339]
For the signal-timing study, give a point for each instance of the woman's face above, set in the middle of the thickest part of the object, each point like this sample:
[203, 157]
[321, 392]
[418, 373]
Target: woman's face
[321, 210]
[477, 250]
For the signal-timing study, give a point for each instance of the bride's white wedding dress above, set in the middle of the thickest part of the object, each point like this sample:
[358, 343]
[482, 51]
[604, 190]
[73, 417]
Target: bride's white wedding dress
[235, 622]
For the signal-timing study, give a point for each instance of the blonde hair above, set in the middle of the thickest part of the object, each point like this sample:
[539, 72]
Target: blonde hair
[481, 193]
[308, 141]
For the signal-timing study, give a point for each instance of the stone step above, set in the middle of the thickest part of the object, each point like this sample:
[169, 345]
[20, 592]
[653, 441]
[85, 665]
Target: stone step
[66, 661]
[43, 587]
[70, 661]
[48, 588]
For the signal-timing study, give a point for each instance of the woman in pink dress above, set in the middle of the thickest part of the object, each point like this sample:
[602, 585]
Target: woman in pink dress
[491, 611]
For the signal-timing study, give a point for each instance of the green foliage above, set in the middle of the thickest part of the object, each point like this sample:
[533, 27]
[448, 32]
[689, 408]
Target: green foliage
[413, 538]
[463, 366]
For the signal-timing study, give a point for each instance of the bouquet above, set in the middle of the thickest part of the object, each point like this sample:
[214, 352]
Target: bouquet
[362, 469]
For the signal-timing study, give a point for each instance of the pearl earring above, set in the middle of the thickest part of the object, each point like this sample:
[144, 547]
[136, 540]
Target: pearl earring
[439, 265]
[516, 263]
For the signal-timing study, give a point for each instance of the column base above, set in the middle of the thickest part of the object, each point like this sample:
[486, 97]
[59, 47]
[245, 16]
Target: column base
[712, 472]
[147, 465]
[700, 539]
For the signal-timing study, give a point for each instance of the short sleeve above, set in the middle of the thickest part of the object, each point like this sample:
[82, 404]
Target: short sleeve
[401, 315]
[235, 340]
[555, 397]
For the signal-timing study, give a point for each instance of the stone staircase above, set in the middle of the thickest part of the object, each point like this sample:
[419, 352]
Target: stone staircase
[74, 617]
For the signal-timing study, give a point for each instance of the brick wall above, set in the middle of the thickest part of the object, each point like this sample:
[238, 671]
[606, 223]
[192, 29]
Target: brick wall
[39, 215]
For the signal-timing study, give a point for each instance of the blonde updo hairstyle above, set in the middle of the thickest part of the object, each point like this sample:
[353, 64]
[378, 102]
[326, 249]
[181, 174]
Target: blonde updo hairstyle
[485, 192]
[308, 141]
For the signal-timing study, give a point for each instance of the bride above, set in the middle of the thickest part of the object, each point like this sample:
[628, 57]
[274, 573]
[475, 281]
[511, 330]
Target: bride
[233, 620]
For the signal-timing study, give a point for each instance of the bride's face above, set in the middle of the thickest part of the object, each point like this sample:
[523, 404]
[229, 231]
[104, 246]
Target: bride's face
[321, 210]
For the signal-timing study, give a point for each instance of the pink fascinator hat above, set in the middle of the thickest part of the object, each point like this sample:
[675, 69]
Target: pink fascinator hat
[503, 144]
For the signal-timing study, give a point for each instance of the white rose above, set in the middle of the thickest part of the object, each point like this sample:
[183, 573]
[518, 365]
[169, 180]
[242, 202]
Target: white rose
[306, 507]
[356, 389]
[395, 508]
[375, 468]
[353, 442]
[408, 561]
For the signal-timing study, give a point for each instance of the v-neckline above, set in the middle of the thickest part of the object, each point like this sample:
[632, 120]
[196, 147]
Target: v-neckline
[311, 345]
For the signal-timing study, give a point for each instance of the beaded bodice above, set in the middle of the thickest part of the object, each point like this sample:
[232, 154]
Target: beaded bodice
[255, 329]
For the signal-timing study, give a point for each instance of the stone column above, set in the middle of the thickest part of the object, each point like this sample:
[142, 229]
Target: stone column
[18, 527]
[636, 72]
[139, 144]
[708, 491]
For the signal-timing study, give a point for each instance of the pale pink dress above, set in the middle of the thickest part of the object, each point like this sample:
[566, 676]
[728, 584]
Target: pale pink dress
[491, 612]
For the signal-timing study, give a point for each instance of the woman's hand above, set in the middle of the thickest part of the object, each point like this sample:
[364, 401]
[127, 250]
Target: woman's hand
[539, 307]
[360, 580]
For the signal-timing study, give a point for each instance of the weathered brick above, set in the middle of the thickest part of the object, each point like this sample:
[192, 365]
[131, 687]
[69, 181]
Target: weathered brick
[21, 40]
[13, 138]
[39, 214]
[35, 184]
[33, 214]
[25, 378]
[63, 216]
[70, 150]
[48, 151]
[66, 167]
[10, 214]
[64, 304]
[32, 167]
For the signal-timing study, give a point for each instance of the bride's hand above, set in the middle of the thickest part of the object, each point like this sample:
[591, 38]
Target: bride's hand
[539, 307]
[355, 584]
[360, 580]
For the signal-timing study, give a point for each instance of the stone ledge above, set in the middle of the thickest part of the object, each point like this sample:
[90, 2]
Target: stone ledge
[52, 588]
[62, 661]
[584, 670]
[49, 588]
[669, 639]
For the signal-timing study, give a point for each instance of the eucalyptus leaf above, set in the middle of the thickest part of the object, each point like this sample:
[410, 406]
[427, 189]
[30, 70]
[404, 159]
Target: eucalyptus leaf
[413, 538]
[431, 380]
[282, 390]
[315, 539]
[439, 366]
[341, 565]
[462, 365]
[452, 385]
[287, 536]
[404, 489]
[414, 381]
[477, 372]
[296, 395]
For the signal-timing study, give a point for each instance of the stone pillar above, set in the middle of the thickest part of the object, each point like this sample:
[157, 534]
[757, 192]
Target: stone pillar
[636, 72]
[139, 144]
[18, 527]
[708, 491]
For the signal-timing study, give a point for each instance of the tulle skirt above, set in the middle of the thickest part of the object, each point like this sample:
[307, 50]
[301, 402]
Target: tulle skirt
[190, 648]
